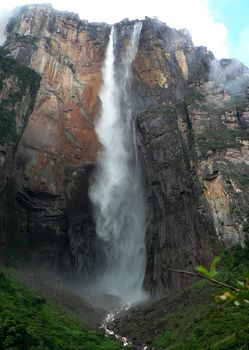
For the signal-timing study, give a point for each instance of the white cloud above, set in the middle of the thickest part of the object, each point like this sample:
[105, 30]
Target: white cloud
[2, 26]
[194, 15]
[4, 16]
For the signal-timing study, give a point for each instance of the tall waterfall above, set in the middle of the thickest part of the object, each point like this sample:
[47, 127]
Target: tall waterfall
[117, 191]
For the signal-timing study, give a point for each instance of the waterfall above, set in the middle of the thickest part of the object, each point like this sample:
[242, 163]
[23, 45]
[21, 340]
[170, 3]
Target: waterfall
[116, 191]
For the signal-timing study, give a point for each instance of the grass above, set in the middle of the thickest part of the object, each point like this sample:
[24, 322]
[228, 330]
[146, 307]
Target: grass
[29, 322]
[215, 328]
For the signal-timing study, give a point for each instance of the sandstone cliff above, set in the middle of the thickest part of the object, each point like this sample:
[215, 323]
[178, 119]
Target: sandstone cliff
[192, 115]
[59, 145]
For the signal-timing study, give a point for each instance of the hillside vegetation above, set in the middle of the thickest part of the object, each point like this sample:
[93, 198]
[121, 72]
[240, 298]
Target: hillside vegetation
[29, 322]
[191, 319]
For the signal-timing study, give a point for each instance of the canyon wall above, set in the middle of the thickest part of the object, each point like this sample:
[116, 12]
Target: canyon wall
[192, 117]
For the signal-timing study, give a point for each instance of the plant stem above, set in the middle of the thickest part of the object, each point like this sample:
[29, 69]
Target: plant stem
[197, 274]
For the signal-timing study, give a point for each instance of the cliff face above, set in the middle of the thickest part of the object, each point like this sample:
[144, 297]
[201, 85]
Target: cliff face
[192, 115]
[18, 89]
[58, 147]
[193, 136]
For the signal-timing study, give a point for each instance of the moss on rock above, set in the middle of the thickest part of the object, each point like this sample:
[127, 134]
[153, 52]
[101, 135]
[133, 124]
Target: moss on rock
[25, 82]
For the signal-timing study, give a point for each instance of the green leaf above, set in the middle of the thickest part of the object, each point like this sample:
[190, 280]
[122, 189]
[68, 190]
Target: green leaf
[240, 284]
[215, 261]
[201, 269]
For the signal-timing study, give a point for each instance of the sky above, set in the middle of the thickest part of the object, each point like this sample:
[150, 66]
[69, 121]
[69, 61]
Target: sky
[220, 25]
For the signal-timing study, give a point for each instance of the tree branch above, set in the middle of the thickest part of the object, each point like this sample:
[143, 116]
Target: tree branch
[197, 274]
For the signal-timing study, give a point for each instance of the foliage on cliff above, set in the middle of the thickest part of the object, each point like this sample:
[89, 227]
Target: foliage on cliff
[212, 326]
[24, 81]
[28, 322]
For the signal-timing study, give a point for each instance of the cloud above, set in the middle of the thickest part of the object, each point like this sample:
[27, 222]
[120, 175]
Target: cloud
[4, 17]
[194, 15]
[2, 36]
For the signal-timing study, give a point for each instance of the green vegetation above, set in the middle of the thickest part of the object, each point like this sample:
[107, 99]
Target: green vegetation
[167, 339]
[212, 272]
[7, 125]
[192, 319]
[25, 81]
[208, 325]
[236, 179]
[198, 68]
[220, 139]
[243, 180]
[193, 97]
[238, 292]
[27, 77]
[27, 39]
[217, 329]
[28, 322]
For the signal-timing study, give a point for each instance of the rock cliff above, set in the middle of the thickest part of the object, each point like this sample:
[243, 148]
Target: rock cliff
[192, 127]
[18, 87]
[58, 146]
[192, 117]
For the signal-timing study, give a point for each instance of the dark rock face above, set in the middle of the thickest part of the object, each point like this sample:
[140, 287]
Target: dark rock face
[18, 89]
[181, 231]
[190, 134]
[192, 116]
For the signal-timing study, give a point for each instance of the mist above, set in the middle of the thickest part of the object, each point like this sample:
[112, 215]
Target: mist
[4, 19]
[231, 74]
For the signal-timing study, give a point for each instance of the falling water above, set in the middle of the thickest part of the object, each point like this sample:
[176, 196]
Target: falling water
[116, 191]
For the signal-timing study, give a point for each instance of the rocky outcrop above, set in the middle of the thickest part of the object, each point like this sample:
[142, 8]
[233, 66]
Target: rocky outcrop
[192, 129]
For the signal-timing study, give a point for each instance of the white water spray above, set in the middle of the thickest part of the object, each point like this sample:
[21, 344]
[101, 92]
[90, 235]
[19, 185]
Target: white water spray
[117, 192]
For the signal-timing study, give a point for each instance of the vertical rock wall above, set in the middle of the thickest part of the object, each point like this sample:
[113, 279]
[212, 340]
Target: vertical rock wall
[58, 147]
[18, 89]
[192, 128]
